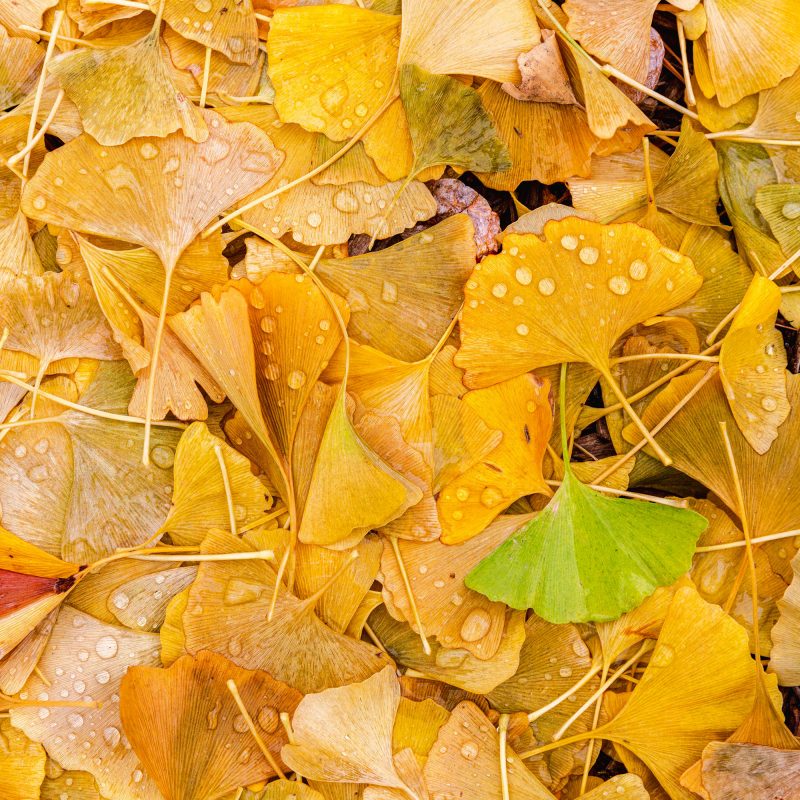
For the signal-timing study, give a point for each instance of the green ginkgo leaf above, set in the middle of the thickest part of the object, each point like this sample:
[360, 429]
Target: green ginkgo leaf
[588, 557]
[448, 124]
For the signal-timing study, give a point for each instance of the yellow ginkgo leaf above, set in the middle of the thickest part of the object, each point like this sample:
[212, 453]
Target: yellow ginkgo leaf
[698, 682]
[624, 787]
[525, 128]
[737, 71]
[125, 91]
[471, 742]
[461, 438]
[17, 666]
[693, 438]
[30, 13]
[785, 655]
[780, 205]
[22, 59]
[315, 566]
[345, 734]
[80, 785]
[520, 409]
[19, 555]
[468, 38]
[456, 667]
[402, 299]
[752, 365]
[232, 30]
[23, 764]
[332, 66]
[202, 762]
[200, 496]
[93, 666]
[227, 612]
[521, 305]
[725, 278]
[352, 489]
[458, 617]
[617, 33]
[325, 213]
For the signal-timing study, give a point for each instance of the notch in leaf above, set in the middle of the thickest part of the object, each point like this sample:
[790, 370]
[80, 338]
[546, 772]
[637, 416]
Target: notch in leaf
[587, 557]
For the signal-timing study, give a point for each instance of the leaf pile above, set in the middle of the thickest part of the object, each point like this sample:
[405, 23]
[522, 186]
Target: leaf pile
[397, 399]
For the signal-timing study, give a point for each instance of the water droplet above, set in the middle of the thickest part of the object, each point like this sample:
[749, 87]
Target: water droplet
[638, 270]
[491, 496]
[162, 456]
[589, 255]
[345, 201]
[499, 290]
[523, 275]
[619, 284]
[137, 776]
[569, 242]
[361, 110]
[112, 736]
[791, 210]
[439, 584]
[235, 44]
[39, 202]
[547, 286]
[106, 647]
[389, 292]
[268, 719]
[83, 655]
[21, 451]
[42, 446]
[148, 150]
[469, 750]
[240, 724]
[462, 493]
[565, 672]
[38, 473]
[79, 686]
[476, 625]
[458, 515]
[75, 720]
[203, 6]
[314, 219]
[671, 255]
[121, 600]
[272, 371]
[760, 369]
[334, 98]
[296, 379]
[522, 329]
[102, 677]
[769, 403]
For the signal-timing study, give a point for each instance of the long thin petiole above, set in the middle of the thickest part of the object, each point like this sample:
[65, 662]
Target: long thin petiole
[410, 594]
[772, 537]
[226, 484]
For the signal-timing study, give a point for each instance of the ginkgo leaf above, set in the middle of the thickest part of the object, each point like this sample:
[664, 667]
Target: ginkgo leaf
[22, 59]
[77, 785]
[125, 91]
[321, 213]
[315, 566]
[468, 38]
[524, 127]
[617, 33]
[347, 54]
[398, 302]
[694, 439]
[13, 15]
[152, 192]
[752, 366]
[456, 667]
[461, 438]
[587, 556]
[289, 790]
[517, 299]
[51, 316]
[345, 734]
[25, 601]
[780, 205]
[338, 513]
[699, 683]
[625, 787]
[17, 666]
[725, 278]
[458, 617]
[296, 647]
[448, 124]
[737, 71]
[232, 30]
[784, 659]
[202, 740]
[199, 499]
[141, 603]
[618, 184]
[520, 409]
[23, 764]
[19, 555]
[83, 670]
[735, 770]
[470, 741]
